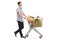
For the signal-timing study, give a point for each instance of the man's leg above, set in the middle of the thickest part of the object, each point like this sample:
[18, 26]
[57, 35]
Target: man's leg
[21, 26]
[20, 31]
[16, 32]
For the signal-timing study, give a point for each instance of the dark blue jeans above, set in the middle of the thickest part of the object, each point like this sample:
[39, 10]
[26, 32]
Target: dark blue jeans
[21, 26]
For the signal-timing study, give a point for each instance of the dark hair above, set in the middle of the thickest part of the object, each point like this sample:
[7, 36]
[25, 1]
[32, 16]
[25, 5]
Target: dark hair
[19, 3]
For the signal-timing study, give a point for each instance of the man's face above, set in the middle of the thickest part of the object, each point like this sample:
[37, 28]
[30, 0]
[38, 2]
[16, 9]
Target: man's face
[20, 4]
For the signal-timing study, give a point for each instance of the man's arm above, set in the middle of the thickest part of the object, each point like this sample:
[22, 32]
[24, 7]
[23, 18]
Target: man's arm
[24, 15]
[19, 14]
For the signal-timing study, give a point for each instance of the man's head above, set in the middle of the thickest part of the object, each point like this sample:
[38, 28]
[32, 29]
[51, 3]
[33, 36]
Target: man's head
[19, 4]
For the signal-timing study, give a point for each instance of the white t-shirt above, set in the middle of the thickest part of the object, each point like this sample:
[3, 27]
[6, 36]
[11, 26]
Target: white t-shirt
[18, 17]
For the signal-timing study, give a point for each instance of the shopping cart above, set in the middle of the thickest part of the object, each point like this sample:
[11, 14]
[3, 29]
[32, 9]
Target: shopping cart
[31, 21]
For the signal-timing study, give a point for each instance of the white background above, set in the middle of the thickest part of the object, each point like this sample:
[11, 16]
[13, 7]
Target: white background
[49, 10]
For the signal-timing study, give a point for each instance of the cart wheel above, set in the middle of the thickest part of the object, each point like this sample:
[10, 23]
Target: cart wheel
[26, 36]
[40, 36]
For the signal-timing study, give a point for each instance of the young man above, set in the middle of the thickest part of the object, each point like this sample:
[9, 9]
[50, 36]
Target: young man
[20, 15]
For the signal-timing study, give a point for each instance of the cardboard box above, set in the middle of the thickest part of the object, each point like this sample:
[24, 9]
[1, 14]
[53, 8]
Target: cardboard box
[37, 23]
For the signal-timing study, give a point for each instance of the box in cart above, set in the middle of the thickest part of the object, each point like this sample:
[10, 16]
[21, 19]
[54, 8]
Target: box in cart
[37, 23]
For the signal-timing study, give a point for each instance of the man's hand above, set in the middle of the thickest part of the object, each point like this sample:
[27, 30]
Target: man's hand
[25, 17]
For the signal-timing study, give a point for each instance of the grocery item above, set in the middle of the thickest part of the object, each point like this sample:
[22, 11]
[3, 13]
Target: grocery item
[35, 22]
